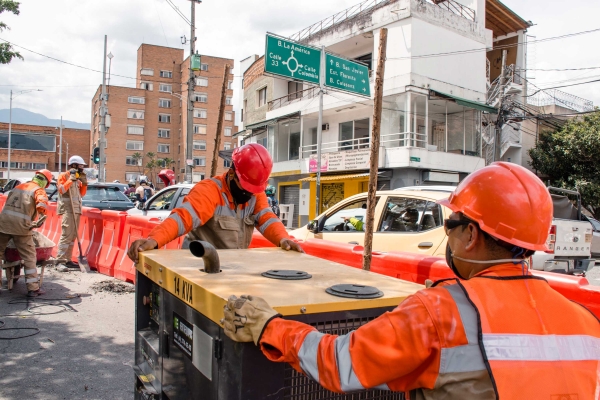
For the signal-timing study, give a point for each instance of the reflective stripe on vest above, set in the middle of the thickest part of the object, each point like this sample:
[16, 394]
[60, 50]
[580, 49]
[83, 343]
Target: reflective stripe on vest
[16, 214]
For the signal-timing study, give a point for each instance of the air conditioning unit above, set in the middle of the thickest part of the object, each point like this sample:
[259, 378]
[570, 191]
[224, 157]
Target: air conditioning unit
[325, 127]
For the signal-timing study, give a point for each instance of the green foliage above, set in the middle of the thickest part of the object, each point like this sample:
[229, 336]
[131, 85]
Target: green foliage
[138, 159]
[6, 50]
[570, 158]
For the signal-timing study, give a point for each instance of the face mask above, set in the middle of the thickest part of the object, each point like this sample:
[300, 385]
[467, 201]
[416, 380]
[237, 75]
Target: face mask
[450, 261]
[239, 195]
[41, 182]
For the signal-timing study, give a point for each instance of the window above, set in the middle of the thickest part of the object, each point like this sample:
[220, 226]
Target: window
[99, 193]
[227, 132]
[166, 74]
[354, 134]
[203, 67]
[226, 163]
[262, 97]
[134, 145]
[228, 115]
[226, 146]
[294, 146]
[135, 130]
[199, 144]
[405, 214]
[201, 81]
[184, 193]
[131, 176]
[200, 161]
[197, 177]
[166, 118]
[163, 148]
[228, 101]
[356, 209]
[293, 90]
[146, 85]
[136, 100]
[130, 161]
[147, 71]
[163, 201]
[200, 129]
[200, 97]
[230, 85]
[199, 113]
[163, 87]
[135, 114]
[164, 103]
[164, 133]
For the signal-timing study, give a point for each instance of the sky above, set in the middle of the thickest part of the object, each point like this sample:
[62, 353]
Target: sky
[73, 31]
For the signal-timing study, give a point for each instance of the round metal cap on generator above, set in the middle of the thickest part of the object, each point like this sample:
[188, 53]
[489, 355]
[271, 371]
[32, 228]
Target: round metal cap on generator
[286, 274]
[354, 291]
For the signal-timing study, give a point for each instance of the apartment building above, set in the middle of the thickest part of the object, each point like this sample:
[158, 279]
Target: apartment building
[151, 118]
[35, 147]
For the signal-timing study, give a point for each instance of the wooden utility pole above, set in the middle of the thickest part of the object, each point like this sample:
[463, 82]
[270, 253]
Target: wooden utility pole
[374, 159]
[213, 166]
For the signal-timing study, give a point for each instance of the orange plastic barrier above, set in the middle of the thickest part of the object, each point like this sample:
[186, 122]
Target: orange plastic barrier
[90, 233]
[575, 288]
[258, 241]
[2, 200]
[136, 227]
[113, 223]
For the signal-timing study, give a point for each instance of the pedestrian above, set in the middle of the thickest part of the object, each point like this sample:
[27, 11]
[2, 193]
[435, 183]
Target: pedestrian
[497, 332]
[225, 209]
[23, 205]
[72, 186]
[131, 189]
[143, 192]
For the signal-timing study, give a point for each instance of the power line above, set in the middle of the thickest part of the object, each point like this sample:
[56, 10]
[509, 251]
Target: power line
[178, 11]
[558, 87]
[559, 69]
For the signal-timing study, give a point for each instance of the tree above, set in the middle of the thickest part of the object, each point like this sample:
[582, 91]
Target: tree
[167, 162]
[6, 49]
[138, 158]
[569, 158]
[151, 165]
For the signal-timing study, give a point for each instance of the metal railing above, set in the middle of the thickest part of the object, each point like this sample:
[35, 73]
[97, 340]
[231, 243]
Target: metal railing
[557, 97]
[335, 19]
[293, 98]
[455, 8]
[403, 139]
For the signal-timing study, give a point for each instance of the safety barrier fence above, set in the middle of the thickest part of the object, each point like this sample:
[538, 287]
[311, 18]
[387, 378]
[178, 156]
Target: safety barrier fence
[107, 235]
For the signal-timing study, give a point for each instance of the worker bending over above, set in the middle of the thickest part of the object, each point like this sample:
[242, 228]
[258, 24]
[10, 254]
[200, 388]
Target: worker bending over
[22, 206]
[497, 332]
[224, 210]
[72, 186]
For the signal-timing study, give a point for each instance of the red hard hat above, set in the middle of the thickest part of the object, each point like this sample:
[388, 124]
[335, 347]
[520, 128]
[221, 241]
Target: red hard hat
[47, 174]
[507, 201]
[253, 166]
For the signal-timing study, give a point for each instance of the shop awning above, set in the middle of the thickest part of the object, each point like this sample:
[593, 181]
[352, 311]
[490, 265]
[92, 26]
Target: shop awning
[271, 121]
[335, 177]
[467, 103]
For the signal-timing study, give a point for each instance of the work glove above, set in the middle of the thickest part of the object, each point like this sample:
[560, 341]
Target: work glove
[73, 173]
[246, 318]
[289, 244]
[83, 178]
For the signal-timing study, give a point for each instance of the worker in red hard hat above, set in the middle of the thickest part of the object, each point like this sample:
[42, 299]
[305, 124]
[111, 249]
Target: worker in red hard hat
[224, 210]
[498, 332]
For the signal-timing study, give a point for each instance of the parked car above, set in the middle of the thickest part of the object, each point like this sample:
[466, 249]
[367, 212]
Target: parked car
[160, 205]
[10, 185]
[596, 237]
[106, 196]
[394, 228]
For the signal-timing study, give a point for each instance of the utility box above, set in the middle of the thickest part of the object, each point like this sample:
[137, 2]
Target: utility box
[182, 352]
[195, 60]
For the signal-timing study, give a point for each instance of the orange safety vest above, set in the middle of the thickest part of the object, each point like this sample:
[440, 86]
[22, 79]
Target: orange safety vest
[23, 204]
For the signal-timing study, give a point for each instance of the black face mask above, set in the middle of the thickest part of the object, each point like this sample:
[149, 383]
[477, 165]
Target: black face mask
[239, 195]
[450, 261]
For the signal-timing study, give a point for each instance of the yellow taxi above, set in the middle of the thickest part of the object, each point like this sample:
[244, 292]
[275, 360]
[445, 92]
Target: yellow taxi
[405, 220]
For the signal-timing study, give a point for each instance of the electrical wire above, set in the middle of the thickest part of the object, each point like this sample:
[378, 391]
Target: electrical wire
[559, 69]
[178, 11]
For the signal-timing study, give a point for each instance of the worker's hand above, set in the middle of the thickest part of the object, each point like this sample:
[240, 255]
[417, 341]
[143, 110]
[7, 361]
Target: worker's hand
[346, 219]
[289, 244]
[246, 318]
[140, 245]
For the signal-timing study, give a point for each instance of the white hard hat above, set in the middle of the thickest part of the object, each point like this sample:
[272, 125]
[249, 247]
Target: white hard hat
[76, 160]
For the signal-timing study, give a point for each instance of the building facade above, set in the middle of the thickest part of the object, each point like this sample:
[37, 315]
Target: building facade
[148, 123]
[36, 147]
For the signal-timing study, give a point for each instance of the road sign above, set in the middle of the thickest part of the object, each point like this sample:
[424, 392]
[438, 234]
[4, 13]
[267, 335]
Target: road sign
[291, 60]
[350, 76]
[417, 159]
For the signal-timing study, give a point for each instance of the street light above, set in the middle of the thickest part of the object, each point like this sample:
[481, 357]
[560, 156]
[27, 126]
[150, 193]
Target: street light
[10, 123]
[66, 155]
[110, 57]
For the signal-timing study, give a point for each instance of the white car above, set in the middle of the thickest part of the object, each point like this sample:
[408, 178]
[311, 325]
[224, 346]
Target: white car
[160, 205]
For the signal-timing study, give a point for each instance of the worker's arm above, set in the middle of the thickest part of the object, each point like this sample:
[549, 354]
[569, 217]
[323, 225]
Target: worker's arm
[267, 222]
[399, 350]
[41, 201]
[84, 184]
[198, 207]
[64, 182]
[355, 222]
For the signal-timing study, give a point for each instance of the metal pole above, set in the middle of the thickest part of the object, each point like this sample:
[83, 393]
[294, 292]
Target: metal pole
[319, 128]
[103, 111]
[189, 152]
[9, 135]
[67, 157]
[60, 144]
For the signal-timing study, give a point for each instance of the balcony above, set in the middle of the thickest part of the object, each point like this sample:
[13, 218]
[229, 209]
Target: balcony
[405, 139]
[293, 98]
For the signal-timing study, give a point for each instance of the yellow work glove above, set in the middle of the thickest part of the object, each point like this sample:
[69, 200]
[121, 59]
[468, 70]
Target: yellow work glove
[246, 318]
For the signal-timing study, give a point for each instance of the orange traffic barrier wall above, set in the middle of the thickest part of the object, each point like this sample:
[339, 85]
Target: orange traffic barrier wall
[136, 227]
[258, 241]
[2, 200]
[113, 223]
[90, 233]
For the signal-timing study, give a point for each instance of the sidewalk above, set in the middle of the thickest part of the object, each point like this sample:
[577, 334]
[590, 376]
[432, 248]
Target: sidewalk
[85, 352]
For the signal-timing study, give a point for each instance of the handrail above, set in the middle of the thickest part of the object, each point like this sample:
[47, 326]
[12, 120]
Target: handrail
[557, 97]
[400, 139]
[293, 98]
[455, 8]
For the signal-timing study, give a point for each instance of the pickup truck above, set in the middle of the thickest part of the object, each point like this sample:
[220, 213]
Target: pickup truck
[570, 238]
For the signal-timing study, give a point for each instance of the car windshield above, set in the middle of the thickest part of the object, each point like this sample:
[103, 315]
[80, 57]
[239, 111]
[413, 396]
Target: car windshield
[104, 194]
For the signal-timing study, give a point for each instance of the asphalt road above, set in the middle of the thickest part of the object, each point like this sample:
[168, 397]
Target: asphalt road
[85, 352]
[593, 276]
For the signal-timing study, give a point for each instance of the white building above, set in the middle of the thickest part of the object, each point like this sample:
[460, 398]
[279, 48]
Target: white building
[434, 124]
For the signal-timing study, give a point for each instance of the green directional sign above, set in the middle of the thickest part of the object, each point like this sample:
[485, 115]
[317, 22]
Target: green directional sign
[350, 76]
[291, 60]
